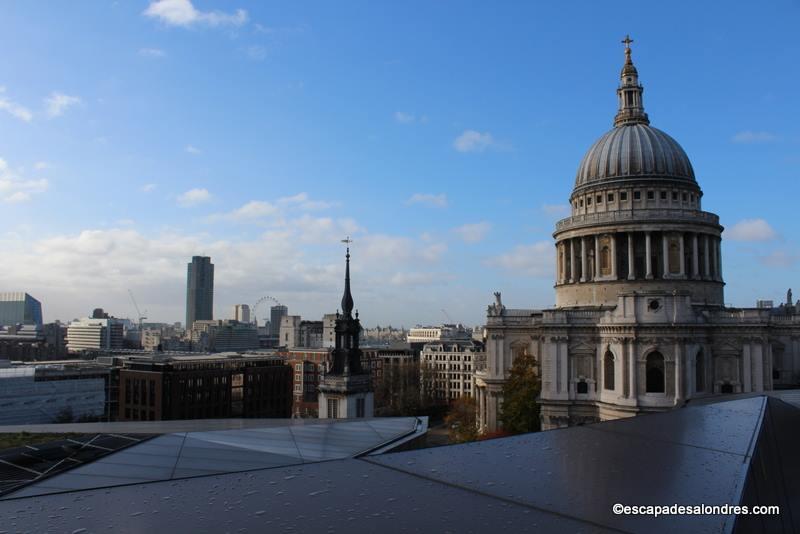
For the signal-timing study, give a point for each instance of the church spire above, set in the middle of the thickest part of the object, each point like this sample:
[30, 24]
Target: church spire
[347, 298]
[631, 108]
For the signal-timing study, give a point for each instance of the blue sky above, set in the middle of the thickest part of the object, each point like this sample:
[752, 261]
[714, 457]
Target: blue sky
[442, 136]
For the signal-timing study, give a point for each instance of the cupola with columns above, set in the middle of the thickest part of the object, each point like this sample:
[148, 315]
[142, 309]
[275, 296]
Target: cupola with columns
[636, 221]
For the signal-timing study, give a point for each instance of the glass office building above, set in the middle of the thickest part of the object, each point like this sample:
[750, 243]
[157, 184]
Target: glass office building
[19, 308]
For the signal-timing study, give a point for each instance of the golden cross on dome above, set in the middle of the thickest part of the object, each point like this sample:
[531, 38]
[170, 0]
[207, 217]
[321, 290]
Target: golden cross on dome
[627, 42]
[347, 240]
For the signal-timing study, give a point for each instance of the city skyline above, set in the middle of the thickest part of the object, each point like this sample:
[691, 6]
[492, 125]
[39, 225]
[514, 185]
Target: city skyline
[448, 156]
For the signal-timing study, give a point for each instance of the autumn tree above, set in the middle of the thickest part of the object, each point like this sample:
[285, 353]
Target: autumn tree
[520, 410]
[461, 420]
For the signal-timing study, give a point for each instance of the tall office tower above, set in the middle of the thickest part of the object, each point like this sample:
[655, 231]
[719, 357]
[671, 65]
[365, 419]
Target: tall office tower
[276, 315]
[241, 313]
[19, 308]
[199, 290]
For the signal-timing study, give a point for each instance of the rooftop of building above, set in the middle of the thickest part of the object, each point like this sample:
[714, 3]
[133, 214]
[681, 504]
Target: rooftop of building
[739, 451]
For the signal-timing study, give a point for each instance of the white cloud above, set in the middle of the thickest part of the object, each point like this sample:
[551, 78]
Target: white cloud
[559, 210]
[780, 258]
[15, 189]
[533, 260]
[256, 52]
[403, 117]
[190, 149]
[472, 233]
[253, 210]
[41, 165]
[303, 201]
[15, 110]
[183, 13]
[473, 141]
[193, 197]
[416, 279]
[147, 188]
[300, 259]
[750, 137]
[57, 103]
[751, 230]
[279, 211]
[152, 52]
[439, 201]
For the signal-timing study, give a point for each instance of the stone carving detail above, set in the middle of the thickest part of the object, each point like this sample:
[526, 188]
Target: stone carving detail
[496, 309]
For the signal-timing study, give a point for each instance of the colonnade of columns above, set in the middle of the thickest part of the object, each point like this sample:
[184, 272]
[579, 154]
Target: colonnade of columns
[637, 255]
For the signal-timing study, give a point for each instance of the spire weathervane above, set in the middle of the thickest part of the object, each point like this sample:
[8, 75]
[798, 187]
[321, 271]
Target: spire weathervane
[347, 298]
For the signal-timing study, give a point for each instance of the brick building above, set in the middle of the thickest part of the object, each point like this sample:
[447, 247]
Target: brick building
[204, 387]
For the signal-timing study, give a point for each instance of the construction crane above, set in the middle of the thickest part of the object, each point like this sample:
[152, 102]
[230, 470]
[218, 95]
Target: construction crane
[449, 319]
[261, 301]
[138, 313]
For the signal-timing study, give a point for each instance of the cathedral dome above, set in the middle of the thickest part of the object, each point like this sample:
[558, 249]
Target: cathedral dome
[634, 150]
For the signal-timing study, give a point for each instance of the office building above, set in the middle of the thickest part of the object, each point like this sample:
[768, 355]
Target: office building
[94, 334]
[199, 290]
[204, 386]
[241, 313]
[19, 308]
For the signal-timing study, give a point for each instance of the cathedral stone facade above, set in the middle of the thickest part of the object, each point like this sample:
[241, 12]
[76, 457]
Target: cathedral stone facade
[640, 323]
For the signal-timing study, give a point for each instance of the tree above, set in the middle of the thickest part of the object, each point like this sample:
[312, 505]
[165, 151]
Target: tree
[461, 420]
[520, 410]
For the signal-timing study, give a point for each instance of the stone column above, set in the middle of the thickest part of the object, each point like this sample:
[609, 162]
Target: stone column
[583, 259]
[678, 373]
[719, 259]
[614, 256]
[747, 369]
[632, 368]
[631, 267]
[649, 255]
[558, 263]
[596, 257]
[707, 259]
[481, 408]
[571, 261]
[757, 352]
[715, 258]
[665, 253]
[682, 252]
[695, 258]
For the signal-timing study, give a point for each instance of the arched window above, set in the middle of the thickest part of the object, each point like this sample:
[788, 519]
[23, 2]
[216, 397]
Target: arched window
[608, 370]
[700, 371]
[605, 260]
[655, 373]
[583, 387]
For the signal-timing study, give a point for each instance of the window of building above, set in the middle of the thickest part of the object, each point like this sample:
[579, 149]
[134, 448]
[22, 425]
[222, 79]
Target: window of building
[674, 256]
[663, 195]
[610, 197]
[599, 199]
[581, 202]
[588, 201]
[683, 197]
[360, 407]
[623, 196]
[651, 195]
[608, 370]
[637, 195]
[333, 409]
[583, 387]
[699, 372]
[726, 388]
[655, 373]
[675, 196]
[691, 198]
